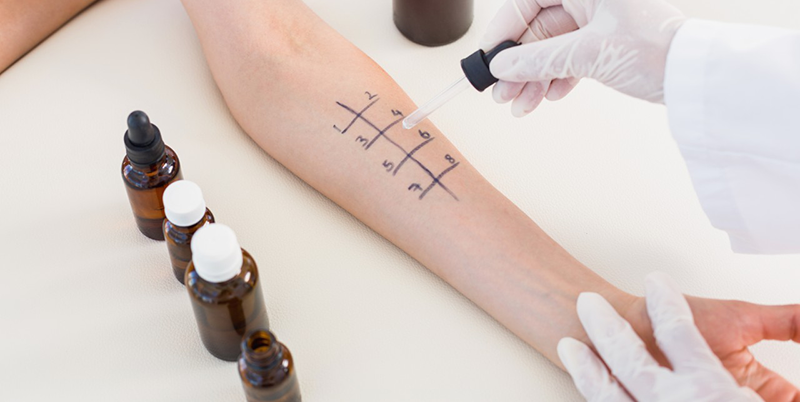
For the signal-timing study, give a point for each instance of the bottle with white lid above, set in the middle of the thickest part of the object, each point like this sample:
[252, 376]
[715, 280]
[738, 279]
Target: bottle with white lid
[186, 213]
[223, 286]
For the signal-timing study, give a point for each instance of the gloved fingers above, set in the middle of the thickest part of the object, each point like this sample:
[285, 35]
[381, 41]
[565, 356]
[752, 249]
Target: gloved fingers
[563, 56]
[529, 98]
[588, 373]
[619, 346]
[505, 91]
[549, 23]
[511, 21]
[582, 11]
[674, 328]
[560, 87]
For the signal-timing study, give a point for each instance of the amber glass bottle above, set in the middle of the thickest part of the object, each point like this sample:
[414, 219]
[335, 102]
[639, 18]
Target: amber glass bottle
[223, 286]
[267, 369]
[433, 22]
[148, 167]
[186, 213]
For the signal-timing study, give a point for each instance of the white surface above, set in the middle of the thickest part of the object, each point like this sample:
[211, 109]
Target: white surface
[183, 203]
[741, 142]
[90, 309]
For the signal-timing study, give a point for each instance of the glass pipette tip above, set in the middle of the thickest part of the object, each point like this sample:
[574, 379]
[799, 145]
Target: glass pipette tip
[422, 113]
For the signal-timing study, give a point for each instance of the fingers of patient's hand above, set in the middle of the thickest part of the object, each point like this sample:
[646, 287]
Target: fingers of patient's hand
[591, 377]
[619, 346]
[780, 323]
[529, 98]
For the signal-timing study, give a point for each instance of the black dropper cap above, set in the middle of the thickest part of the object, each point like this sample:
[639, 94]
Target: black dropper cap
[476, 66]
[143, 142]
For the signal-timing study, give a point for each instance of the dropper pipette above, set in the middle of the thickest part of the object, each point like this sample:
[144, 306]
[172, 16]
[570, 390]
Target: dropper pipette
[422, 113]
[476, 74]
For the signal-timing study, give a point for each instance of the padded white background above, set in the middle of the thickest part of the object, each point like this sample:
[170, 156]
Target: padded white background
[89, 309]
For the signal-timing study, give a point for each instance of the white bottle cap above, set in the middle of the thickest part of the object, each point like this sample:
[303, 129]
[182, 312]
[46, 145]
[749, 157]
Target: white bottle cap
[183, 203]
[216, 254]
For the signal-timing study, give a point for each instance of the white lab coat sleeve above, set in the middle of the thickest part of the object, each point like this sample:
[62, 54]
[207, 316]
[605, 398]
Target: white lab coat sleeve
[733, 100]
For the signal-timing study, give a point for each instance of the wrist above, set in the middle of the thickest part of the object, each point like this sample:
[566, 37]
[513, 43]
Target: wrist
[627, 305]
[636, 315]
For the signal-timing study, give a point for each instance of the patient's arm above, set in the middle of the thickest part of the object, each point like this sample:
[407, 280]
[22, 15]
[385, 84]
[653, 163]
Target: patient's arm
[25, 23]
[296, 87]
[303, 93]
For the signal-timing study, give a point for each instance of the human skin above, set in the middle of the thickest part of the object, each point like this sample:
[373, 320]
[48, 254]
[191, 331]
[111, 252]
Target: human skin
[282, 71]
[25, 23]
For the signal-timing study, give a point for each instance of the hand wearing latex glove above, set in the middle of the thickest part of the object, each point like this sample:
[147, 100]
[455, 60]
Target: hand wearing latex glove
[621, 43]
[509, 23]
[696, 374]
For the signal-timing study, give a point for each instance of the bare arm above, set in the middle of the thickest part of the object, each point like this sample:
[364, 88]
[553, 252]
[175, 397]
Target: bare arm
[301, 90]
[303, 93]
[25, 23]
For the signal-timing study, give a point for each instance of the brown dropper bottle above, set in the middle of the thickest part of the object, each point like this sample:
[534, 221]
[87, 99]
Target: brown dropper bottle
[148, 167]
[267, 369]
[433, 22]
[223, 286]
[186, 213]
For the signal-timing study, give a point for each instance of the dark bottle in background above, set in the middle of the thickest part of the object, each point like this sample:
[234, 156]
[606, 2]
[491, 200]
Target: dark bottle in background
[225, 291]
[186, 213]
[267, 369]
[148, 167]
[433, 22]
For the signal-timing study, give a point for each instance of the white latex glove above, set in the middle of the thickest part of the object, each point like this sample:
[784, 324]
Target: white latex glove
[696, 375]
[621, 43]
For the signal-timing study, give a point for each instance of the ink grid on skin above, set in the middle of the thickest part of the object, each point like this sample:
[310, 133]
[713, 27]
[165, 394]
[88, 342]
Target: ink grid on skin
[383, 133]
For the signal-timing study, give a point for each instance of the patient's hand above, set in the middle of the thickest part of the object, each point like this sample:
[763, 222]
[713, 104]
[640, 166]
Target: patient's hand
[730, 327]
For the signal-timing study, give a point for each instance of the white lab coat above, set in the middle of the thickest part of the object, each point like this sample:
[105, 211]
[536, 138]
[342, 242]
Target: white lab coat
[733, 99]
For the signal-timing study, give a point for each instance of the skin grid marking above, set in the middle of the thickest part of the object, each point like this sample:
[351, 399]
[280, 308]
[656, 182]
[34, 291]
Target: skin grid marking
[383, 133]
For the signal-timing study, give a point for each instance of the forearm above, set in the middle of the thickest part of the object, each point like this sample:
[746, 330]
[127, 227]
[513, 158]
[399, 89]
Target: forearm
[296, 87]
[25, 23]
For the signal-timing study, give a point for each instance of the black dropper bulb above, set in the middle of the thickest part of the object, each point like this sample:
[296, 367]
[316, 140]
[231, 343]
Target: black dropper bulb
[140, 131]
[143, 142]
[476, 66]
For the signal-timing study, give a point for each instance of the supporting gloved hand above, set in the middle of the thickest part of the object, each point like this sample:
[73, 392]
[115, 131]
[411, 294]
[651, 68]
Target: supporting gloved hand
[621, 43]
[696, 374]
